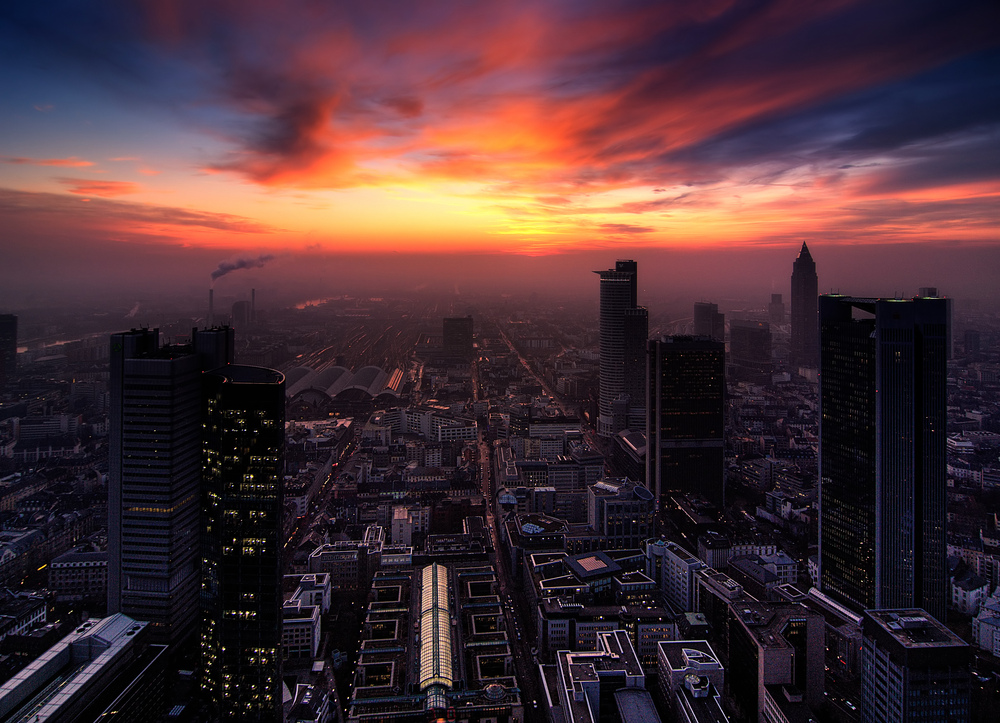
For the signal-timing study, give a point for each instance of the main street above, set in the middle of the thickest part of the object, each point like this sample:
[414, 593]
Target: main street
[515, 609]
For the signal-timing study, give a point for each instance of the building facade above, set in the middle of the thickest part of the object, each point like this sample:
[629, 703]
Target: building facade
[708, 321]
[913, 669]
[244, 441]
[621, 325]
[457, 334]
[883, 375]
[154, 477]
[686, 417]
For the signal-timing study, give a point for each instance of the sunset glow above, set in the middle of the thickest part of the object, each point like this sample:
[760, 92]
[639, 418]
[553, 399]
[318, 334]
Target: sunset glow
[532, 128]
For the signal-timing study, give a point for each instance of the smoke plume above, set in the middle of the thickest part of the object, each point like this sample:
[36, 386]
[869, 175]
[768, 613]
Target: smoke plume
[241, 263]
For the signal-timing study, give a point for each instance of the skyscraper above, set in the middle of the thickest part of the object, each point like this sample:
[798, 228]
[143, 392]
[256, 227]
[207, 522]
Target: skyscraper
[883, 372]
[776, 310]
[457, 333]
[8, 348]
[619, 360]
[750, 350]
[805, 329]
[708, 321]
[686, 417]
[636, 335]
[243, 449]
[154, 465]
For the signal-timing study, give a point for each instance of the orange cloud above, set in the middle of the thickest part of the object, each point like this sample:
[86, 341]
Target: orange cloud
[105, 189]
[71, 162]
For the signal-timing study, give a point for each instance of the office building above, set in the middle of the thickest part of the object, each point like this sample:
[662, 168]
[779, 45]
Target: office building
[778, 650]
[776, 310]
[241, 315]
[106, 669]
[686, 417]
[592, 686]
[457, 333]
[913, 669]
[8, 349]
[243, 447]
[708, 321]
[621, 512]
[750, 351]
[883, 373]
[636, 335]
[805, 325]
[154, 477]
[623, 324]
[691, 679]
[674, 569]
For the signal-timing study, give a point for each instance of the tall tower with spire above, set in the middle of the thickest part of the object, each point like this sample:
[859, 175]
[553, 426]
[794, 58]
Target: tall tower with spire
[805, 317]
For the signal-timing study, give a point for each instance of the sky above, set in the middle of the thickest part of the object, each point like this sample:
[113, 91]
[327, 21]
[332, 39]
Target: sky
[144, 142]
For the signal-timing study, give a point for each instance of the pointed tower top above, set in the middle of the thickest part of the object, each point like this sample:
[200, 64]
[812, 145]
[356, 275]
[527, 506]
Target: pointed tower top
[805, 250]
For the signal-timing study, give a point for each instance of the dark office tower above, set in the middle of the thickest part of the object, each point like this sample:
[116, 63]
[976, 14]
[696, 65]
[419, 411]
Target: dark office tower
[241, 315]
[618, 295]
[973, 343]
[883, 373]
[708, 321]
[154, 480]
[8, 349]
[686, 417]
[750, 351]
[636, 335]
[776, 310]
[913, 670]
[458, 336]
[805, 327]
[243, 447]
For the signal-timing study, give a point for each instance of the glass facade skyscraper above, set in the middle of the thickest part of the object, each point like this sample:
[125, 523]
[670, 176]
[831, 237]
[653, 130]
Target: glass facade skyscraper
[623, 323]
[154, 466]
[686, 417]
[883, 373]
[241, 594]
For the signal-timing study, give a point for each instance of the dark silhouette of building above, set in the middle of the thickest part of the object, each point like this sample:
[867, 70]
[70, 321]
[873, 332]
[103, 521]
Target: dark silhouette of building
[154, 476]
[243, 449]
[241, 315]
[973, 343]
[623, 324]
[776, 310]
[883, 374]
[636, 335]
[913, 669]
[805, 327]
[686, 417]
[8, 348]
[750, 351]
[457, 332]
[708, 321]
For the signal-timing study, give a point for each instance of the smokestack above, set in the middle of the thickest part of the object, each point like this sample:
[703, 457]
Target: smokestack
[211, 308]
[253, 306]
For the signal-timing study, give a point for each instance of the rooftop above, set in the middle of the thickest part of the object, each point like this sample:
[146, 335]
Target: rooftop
[914, 628]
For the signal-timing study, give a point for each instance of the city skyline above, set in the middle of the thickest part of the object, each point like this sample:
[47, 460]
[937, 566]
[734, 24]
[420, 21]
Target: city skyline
[187, 135]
